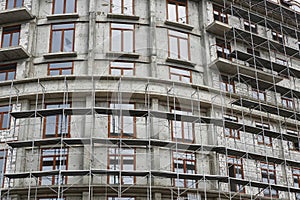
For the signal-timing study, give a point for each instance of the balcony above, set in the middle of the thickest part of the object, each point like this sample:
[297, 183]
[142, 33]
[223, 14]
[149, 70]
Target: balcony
[13, 53]
[15, 15]
[218, 28]
[233, 68]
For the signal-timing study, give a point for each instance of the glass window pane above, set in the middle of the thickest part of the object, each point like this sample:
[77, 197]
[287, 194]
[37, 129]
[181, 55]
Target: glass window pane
[6, 40]
[66, 72]
[56, 41]
[128, 9]
[5, 121]
[58, 6]
[11, 75]
[173, 47]
[128, 72]
[128, 41]
[2, 76]
[172, 12]
[10, 4]
[50, 125]
[115, 72]
[184, 49]
[19, 3]
[54, 72]
[116, 40]
[182, 14]
[15, 39]
[68, 41]
[116, 6]
[70, 7]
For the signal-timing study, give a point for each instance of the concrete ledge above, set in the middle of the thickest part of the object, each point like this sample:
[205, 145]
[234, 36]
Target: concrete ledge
[180, 62]
[123, 54]
[60, 55]
[218, 28]
[13, 53]
[63, 16]
[15, 15]
[179, 25]
[121, 16]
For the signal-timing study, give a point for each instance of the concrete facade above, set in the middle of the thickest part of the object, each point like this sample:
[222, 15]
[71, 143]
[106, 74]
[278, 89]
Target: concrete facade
[221, 124]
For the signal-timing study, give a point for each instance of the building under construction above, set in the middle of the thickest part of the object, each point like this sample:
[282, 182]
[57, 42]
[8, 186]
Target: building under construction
[149, 99]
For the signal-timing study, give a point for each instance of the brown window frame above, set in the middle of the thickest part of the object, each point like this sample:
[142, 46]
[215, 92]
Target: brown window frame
[287, 102]
[277, 36]
[267, 172]
[62, 37]
[248, 26]
[64, 7]
[181, 76]
[7, 68]
[177, 3]
[185, 163]
[296, 175]
[15, 4]
[2, 113]
[238, 162]
[122, 69]
[4, 32]
[225, 46]
[60, 69]
[217, 11]
[258, 93]
[263, 126]
[56, 155]
[57, 123]
[117, 157]
[122, 7]
[183, 139]
[232, 132]
[179, 38]
[228, 83]
[292, 145]
[122, 30]
[4, 157]
[121, 134]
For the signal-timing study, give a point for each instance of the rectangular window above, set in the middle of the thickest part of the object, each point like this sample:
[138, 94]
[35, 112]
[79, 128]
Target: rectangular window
[184, 163]
[57, 125]
[121, 159]
[277, 36]
[7, 72]
[179, 45]
[61, 68]
[230, 132]
[261, 138]
[125, 7]
[259, 94]
[223, 49]
[63, 6]
[249, 26]
[183, 75]
[121, 126]
[287, 102]
[11, 36]
[14, 4]
[226, 84]
[122, 37]
[235, 170]
[62, 38]
[268, 175]
[294, 145]
[182, 131]
[219, 15]
[4, 117]
[122, 69]
[54, 159]
[2, 165]
[296, 178]
[177, 11]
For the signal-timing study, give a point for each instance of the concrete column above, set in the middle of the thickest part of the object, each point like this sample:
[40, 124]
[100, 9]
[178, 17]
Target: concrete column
[152, 40]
